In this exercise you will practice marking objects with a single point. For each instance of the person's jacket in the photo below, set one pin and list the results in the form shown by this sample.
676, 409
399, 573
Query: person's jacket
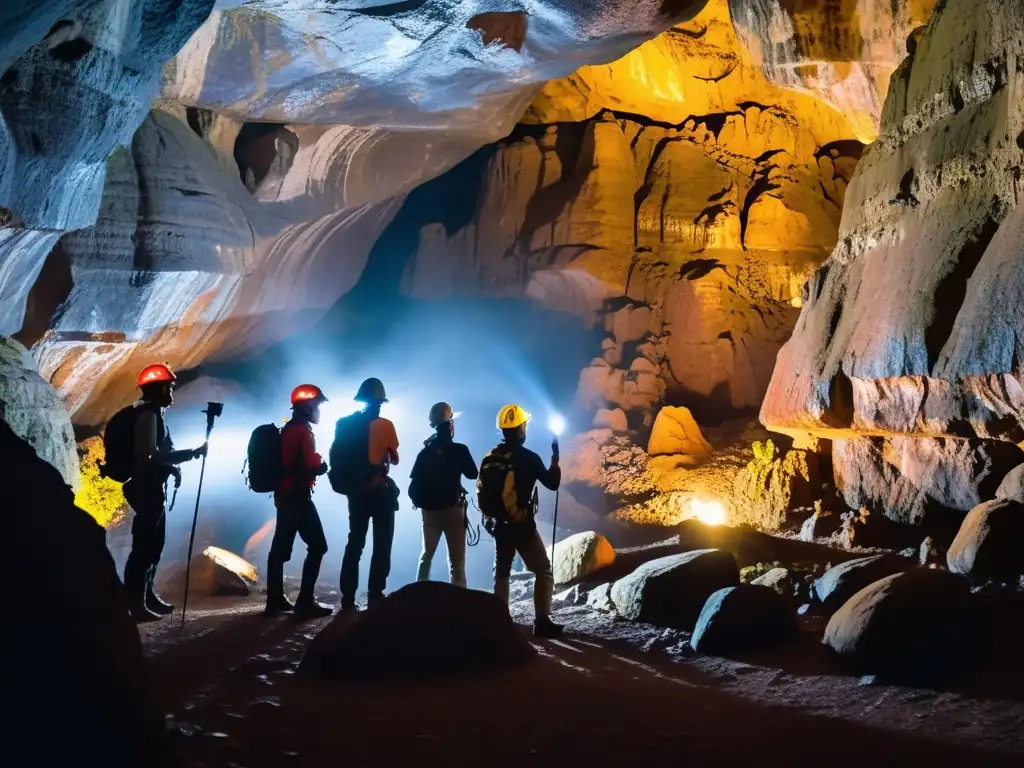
299, 458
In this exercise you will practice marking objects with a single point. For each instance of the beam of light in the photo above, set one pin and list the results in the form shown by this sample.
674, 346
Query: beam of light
557, 424
456, 415
709, 511
232, 562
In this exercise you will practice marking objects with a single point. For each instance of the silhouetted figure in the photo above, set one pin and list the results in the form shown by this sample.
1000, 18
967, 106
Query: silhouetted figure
435, 487
506, 491
74, 673
296, 513
374, 496
146, 491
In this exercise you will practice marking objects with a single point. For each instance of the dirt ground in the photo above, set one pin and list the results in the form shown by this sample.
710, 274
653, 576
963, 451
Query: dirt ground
608, 693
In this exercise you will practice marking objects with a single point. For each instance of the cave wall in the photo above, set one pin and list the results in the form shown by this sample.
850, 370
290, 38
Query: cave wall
910, 331
685, 226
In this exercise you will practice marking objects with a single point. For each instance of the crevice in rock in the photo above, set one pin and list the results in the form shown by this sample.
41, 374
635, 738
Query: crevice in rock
256, 150
692, 34
71, 51
905, 195
840, 398
762, 185
952, 289
717, 78
52, 287
767, 155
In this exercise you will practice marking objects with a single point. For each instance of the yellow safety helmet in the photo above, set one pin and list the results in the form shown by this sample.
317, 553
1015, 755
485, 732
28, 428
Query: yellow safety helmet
512, 416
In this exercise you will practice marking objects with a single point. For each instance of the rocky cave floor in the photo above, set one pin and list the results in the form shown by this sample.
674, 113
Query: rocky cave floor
610, 692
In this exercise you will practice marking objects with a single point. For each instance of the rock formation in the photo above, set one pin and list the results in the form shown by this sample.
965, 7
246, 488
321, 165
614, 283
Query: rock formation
910, 329
842, 52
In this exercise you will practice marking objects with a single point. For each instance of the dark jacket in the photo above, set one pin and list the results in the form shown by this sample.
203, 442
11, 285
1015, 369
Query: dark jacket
436, 477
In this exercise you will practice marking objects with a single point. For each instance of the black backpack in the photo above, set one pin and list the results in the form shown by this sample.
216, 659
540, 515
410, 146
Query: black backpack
430, 484
350, 454
496, 487
263, 458
119, 445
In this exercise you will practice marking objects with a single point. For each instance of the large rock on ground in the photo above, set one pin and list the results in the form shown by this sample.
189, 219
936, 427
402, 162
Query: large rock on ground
990, 543
423, 629
215, 572
73, 660
32, 408
839, 583
676, 432
672, 590
1012, 485
581, 555
743, 618
913, 626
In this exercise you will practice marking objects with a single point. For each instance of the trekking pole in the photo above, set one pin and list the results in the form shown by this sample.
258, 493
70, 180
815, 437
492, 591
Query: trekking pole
557, 426
213, 410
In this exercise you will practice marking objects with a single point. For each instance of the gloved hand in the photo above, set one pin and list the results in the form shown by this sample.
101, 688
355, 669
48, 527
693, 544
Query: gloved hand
200, 451
554, 450
322, 470
176, 474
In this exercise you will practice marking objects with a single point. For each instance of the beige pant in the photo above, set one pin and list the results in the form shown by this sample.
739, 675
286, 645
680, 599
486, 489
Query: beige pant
452, 523
510, 540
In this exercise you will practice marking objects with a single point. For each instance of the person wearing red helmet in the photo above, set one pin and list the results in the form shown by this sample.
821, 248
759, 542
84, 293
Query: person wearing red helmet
296, 513
155, 462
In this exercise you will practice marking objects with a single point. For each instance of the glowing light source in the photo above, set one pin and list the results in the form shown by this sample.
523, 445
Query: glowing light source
557, 424
708, 511
797, 302
232, 562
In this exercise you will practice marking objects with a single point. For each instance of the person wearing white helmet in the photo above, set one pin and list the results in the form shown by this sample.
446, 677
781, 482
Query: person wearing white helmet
435, 488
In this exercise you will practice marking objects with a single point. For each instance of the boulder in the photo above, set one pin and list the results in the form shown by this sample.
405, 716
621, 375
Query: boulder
820, 525
777, 580
423, 629
840, 582
676, 432
1012, 485
73, 661
215, 573
580, 555
671, 591
600, 598
743, 618
990, 542
916, 626
614, 419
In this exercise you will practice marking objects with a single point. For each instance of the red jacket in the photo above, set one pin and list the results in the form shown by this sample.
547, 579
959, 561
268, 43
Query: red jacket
299, 458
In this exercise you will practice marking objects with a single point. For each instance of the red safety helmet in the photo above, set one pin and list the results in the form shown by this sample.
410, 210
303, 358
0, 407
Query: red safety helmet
306, 393
154, 374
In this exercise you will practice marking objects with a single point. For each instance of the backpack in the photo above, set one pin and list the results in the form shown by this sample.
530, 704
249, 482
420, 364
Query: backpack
350, 454
430, 484
119, 445
263, 458
496, 487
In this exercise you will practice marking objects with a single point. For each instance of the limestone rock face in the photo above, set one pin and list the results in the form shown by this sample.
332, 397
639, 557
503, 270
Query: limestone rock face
76, 79
689, 233
771, 486
908, 478
844, 53
912, 327
32, 409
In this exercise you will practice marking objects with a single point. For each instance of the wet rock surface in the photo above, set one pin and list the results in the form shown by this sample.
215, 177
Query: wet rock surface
841, 582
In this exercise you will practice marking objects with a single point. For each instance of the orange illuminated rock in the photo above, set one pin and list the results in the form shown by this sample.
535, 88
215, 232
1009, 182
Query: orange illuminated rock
676, 432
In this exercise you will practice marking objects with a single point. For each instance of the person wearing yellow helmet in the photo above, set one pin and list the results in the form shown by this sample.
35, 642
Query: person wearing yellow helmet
507, 497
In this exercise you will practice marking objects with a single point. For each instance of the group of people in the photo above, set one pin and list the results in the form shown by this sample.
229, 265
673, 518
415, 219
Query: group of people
435, 488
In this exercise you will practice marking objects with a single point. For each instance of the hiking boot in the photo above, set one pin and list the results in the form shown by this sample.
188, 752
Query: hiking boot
157, 605
277, 605
143, 615
546, 628
312, 610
